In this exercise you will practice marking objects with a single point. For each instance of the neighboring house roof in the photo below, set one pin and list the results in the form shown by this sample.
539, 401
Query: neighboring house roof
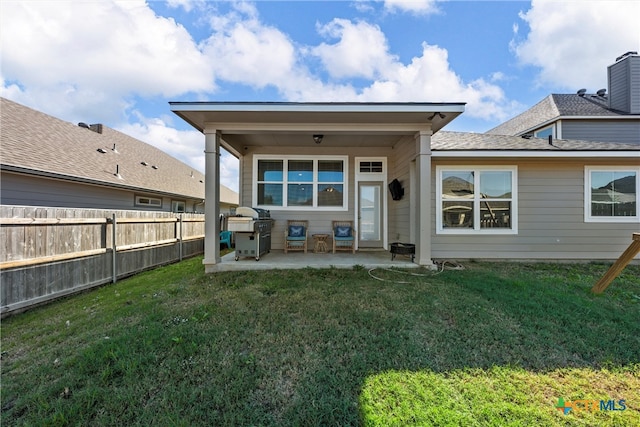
467, 141
555, 107
36, 143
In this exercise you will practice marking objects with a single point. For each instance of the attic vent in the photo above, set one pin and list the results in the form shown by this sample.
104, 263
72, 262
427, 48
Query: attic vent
601, 93
97, 128
144, 163
581, 92
101, 150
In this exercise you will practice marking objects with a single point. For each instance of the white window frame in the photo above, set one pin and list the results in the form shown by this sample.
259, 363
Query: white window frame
476, 200
314, 182
178, 206
148, 201
587, 194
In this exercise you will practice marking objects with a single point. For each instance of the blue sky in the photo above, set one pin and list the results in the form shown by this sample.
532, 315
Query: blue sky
121, 62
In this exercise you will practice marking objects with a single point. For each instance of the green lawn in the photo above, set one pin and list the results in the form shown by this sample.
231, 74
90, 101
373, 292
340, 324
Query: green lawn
493, 344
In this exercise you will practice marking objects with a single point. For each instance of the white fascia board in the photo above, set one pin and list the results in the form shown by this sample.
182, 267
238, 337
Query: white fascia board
453, 107
242, 127
533, 154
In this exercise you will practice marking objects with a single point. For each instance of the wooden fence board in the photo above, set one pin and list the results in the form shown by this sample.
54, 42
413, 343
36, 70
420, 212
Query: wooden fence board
49, 252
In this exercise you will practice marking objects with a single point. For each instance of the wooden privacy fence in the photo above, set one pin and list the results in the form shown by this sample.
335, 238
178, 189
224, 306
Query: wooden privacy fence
51, 252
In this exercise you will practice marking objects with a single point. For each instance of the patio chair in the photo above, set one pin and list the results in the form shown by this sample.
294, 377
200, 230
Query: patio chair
295, 235
225, 238
344, 236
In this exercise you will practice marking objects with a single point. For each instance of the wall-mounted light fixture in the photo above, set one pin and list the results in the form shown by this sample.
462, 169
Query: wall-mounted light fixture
318, 138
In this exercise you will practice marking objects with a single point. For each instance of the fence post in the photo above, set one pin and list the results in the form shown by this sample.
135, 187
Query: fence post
113, 249
180, 238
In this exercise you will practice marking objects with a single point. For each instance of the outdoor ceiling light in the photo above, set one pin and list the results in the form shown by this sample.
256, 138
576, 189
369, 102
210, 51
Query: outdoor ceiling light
442, 116
318, 138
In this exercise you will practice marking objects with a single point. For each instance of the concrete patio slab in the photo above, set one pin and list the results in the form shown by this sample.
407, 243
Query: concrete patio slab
277, 259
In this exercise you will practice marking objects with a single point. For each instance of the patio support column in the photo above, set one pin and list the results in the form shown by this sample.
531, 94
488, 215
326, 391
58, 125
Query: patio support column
423, 202
212, 198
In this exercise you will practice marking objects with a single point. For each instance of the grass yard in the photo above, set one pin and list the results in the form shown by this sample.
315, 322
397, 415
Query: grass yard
494, 344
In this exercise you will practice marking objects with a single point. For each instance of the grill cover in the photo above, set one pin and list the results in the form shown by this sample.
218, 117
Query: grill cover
255, 213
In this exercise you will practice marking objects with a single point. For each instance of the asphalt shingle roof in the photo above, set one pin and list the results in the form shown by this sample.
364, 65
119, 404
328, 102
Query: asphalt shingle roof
466, 141
553, 107
38, 143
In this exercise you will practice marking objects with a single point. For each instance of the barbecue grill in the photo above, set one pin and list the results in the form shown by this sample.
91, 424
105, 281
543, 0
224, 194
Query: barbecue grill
252, 227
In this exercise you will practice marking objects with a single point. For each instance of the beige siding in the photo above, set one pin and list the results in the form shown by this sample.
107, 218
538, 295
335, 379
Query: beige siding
399, 210
319, 221
551, 219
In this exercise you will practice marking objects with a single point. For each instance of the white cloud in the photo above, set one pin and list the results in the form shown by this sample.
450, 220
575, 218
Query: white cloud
247, 52
573, 42
413, 6
99, 49
361, 51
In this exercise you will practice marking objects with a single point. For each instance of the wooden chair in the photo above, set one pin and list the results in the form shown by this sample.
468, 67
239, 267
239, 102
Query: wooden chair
344, 236
295, 235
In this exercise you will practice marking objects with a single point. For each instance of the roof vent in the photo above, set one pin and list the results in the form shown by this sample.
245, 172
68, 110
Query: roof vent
101, 150
624, 55
144, 163
154, 167
601, 93
83, 125
97, 128
581, 92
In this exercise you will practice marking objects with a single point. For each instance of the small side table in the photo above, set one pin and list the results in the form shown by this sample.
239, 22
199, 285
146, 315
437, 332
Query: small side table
320, 245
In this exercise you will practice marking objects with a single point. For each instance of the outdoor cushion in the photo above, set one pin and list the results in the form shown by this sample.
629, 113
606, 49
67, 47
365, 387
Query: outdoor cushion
299, 238
343, 231
296, 231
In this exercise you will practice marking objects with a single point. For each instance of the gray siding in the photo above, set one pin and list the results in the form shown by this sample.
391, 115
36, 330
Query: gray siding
624, 131
25, 190
624, 85
551, 220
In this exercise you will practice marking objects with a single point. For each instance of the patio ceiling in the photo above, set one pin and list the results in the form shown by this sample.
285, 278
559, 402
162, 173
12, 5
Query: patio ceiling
294, 124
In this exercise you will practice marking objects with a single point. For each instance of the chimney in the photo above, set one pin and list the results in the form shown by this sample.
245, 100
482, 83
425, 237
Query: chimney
624, 83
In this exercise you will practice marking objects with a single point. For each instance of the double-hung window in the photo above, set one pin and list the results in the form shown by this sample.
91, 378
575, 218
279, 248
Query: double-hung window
476, 200
301, 182
611, 194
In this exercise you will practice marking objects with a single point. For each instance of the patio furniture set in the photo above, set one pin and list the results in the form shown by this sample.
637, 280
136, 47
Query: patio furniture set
296, 236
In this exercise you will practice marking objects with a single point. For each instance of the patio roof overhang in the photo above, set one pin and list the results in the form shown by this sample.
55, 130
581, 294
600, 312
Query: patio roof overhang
246, 124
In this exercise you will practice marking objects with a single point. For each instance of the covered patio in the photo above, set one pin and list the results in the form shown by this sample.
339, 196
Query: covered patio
289, 153
277, 259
